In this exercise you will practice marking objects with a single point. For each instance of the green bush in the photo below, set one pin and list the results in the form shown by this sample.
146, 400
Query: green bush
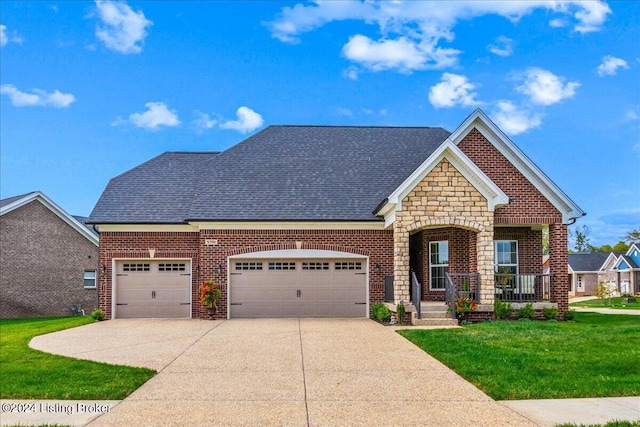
569, 315
550, 313
381, 312
527, 312
502, 310
401, 310
97, 314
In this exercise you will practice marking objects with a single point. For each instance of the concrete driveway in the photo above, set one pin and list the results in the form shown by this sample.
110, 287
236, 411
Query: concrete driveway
285, 372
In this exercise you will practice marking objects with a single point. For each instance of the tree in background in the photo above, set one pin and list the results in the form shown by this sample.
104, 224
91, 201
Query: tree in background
582, 238
632, 237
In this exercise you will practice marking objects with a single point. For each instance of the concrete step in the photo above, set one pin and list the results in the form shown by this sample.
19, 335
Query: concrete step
430, 306
435, 314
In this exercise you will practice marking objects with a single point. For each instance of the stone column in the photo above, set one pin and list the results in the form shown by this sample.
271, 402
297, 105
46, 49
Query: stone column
400, 263
484, 254
558, 266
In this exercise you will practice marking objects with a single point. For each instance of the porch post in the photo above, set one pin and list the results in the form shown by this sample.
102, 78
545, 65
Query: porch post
484, 254
558, 266
400, 263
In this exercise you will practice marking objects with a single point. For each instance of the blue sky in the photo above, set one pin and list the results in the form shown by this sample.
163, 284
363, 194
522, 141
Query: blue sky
92, 89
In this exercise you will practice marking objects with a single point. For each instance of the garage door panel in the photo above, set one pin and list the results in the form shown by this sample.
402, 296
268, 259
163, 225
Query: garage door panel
303, 288
153, 289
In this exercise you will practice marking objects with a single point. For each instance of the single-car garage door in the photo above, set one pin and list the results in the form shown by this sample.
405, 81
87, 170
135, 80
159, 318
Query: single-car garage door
153, 289
306, 287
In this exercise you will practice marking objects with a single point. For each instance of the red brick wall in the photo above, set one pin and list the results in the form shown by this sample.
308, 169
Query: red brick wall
377, 245
527, 205
529, 247
558, 262
462, 255
132, 245
42, 264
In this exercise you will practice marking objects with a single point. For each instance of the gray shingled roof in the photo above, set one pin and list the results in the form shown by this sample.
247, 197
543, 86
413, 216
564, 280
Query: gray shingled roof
9, 200
296, 173
587, 261
83, 220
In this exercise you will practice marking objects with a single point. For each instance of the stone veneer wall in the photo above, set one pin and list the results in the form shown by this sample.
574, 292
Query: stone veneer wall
444, 198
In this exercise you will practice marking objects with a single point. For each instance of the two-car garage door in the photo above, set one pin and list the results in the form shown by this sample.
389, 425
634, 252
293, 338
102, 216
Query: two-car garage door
289, 287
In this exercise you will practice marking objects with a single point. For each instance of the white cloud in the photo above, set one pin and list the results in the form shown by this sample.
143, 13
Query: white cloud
545, 88
247, 121
513, 120
610, 65
453, 89
558, 23
204, 121
157, 114
351, 72
37, 97
591, 15
411, 32
6, 38
121, 29
502, 46
402, 54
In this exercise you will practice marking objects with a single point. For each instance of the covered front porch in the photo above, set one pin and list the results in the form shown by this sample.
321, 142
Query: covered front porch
447, 262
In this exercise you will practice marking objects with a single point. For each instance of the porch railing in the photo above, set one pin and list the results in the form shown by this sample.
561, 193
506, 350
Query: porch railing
523, 287
461, 285
416, 293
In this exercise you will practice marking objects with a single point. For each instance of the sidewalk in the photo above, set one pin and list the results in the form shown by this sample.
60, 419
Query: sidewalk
550, 412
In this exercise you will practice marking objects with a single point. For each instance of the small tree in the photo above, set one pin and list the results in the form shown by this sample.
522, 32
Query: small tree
604, 292
582, 238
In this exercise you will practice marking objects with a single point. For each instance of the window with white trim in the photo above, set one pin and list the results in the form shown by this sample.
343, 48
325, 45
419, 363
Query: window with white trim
438, 264
580, 283
89, 279
506, 256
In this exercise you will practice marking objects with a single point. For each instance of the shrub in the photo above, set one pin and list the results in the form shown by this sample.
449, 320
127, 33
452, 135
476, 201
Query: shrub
401, 310
97, 314
381, 312
569, 315
374, 309
502, 310
550, 313
527, 312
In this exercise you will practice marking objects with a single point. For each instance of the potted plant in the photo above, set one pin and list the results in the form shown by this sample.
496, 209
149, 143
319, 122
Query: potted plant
209, 296
464, 306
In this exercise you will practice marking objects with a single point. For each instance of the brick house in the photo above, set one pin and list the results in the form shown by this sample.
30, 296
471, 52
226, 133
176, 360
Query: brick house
324, 221
618, 270
48, 259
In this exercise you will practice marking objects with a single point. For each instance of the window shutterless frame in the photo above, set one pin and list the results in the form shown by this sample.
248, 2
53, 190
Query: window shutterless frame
438, 264
90, 279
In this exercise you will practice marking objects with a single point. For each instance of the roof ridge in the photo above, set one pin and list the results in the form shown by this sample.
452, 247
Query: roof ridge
359, 126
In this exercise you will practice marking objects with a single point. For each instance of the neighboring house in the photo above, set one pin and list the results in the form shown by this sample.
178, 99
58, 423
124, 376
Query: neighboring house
628, 266
321, 221
617, 270
48, 259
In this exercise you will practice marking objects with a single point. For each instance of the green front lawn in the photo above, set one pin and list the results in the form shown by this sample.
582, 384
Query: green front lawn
597, 355
616, 302
32, 374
